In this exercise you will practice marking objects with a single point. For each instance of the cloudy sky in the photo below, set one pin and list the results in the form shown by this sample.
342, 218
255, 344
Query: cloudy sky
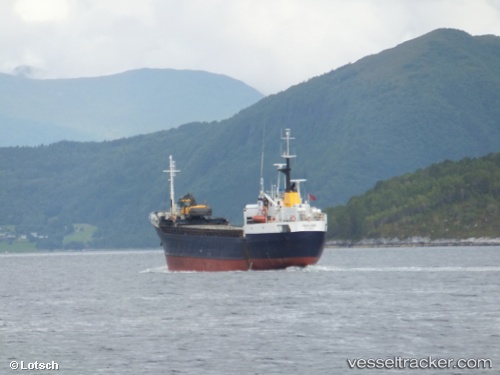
269, 44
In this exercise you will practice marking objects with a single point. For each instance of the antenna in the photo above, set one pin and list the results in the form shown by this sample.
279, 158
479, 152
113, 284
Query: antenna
172, 172
262, 161
287, 138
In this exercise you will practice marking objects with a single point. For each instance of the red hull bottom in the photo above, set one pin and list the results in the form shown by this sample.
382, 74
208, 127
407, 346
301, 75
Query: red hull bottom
176, 263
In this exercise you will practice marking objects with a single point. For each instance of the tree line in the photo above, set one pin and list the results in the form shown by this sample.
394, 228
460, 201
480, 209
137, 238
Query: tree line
446, 200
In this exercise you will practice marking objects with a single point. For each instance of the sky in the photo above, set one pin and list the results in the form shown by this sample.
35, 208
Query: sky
268, 44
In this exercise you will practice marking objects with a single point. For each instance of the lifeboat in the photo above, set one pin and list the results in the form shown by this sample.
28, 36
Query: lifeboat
259, 219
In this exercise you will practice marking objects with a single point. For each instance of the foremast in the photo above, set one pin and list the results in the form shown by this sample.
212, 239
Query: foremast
172, 171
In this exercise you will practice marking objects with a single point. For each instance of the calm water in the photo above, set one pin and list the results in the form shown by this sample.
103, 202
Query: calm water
124, 313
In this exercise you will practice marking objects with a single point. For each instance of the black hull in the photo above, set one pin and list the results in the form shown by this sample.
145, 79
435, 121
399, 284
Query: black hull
189, 252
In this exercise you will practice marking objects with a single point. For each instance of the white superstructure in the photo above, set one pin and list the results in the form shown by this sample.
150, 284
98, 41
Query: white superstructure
283, 211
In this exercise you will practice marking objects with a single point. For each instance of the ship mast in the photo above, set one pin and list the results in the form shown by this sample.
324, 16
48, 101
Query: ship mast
287, 156
172, 172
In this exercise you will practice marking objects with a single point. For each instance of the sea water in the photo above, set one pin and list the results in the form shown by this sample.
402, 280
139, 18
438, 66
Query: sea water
122, 312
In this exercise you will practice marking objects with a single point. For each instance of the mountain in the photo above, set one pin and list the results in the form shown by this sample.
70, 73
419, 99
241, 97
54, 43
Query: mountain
448, 200
34, 111
430, 99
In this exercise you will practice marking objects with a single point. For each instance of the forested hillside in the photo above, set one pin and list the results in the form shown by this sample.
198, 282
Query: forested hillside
446, 200
431, 99
35, 111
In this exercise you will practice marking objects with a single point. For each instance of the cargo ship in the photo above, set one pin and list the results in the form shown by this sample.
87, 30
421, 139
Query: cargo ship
280, 230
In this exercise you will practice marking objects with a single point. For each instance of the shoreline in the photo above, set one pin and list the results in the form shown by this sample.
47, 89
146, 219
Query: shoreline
415, 242
365, 243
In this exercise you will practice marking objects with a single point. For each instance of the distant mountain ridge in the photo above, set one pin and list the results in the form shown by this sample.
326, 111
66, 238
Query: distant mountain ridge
430, 99
35, 111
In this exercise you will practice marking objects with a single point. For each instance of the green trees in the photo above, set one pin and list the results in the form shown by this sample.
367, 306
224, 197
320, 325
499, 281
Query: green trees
445, 200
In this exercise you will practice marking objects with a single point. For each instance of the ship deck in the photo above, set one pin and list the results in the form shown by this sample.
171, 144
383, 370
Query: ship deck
205, 230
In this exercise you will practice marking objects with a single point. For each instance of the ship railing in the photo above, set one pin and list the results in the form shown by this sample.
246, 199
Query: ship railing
205, 231
309, 217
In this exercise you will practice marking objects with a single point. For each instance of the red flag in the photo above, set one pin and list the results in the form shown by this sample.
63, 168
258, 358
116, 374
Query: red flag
312, 197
